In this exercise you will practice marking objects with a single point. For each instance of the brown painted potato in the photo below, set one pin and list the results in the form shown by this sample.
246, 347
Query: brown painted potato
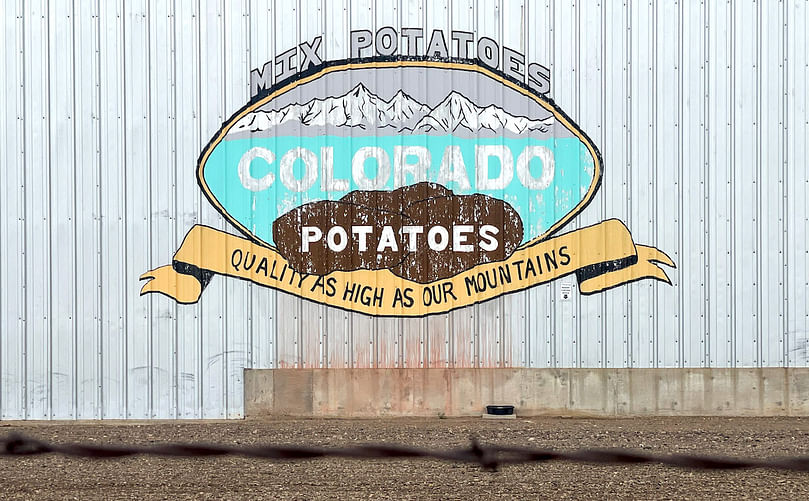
424, 204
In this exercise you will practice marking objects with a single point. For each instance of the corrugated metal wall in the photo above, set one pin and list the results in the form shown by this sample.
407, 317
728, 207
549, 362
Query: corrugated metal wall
699, 109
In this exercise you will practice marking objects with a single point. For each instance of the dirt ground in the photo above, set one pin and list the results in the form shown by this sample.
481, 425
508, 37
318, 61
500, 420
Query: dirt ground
56, 477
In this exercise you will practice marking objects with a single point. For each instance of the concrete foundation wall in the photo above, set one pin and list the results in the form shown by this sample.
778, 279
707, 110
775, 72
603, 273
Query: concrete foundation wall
573, 392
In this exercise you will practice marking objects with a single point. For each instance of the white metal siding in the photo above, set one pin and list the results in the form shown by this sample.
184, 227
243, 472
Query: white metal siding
699, 110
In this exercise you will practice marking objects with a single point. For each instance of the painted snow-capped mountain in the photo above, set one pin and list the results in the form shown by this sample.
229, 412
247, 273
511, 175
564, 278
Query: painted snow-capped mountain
361, 109
456, 111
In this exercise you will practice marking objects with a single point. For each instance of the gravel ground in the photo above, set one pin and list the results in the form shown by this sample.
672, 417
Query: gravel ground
55, 477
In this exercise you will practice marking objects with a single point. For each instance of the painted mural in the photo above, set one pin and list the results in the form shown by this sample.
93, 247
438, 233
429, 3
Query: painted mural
398, 186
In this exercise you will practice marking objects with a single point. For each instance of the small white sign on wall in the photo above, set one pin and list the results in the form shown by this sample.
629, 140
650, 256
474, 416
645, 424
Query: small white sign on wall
566, 290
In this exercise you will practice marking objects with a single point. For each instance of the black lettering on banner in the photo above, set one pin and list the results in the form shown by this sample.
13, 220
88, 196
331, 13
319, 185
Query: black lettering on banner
331, 287
550, 259
319, 282
491, 281
564, 255
248, 263
348, 294
469, 281
505, 273
480, 282
518, 264
434, 294
446, 290
379, 293
408, 295
403, 297
398, 298
262, 265
530, 268
236, 262
365, 299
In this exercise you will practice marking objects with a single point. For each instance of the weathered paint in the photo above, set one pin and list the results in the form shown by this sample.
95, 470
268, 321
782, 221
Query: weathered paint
699, 111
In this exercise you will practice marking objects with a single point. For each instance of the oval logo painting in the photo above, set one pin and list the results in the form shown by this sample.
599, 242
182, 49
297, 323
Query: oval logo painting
403, 187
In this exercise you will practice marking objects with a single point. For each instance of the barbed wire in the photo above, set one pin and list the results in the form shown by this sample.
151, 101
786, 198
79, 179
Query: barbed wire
489, 457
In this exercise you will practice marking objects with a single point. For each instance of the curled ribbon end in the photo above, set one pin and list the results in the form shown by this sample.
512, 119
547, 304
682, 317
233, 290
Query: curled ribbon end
665, 259
165, 280
655, 255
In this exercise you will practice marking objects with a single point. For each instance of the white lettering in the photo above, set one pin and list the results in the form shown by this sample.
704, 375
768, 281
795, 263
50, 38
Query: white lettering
310, 169
453, 169
382, 168
387, 240
412, 235
459, 238
524, 167
401, 168
247, 179
331, 238
310, 234
487, 233
327, 181
483, 153
363, 232
433, 241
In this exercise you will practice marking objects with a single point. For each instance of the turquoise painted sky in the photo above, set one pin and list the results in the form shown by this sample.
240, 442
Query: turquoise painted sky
539, 209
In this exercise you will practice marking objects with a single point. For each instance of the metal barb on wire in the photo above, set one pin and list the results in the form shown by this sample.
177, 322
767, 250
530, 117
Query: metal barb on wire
489, 457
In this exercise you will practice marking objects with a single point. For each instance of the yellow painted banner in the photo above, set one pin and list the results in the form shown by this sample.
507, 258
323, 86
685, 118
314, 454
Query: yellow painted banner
602, 256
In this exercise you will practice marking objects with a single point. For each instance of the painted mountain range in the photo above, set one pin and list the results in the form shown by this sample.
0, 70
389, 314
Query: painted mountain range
367, 113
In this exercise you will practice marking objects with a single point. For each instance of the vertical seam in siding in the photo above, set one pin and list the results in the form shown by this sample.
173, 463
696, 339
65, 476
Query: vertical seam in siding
49, 205
602, 134
551, 310
250, 294
525, 356
149, 216
785, 177
200, 327
655, 320
24, 226
708, 360
122, 220
577, 353
76, 273
99, 324
225, 310
274, 362
175, 373
731, 186
628, 173
759, 355
680, 184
